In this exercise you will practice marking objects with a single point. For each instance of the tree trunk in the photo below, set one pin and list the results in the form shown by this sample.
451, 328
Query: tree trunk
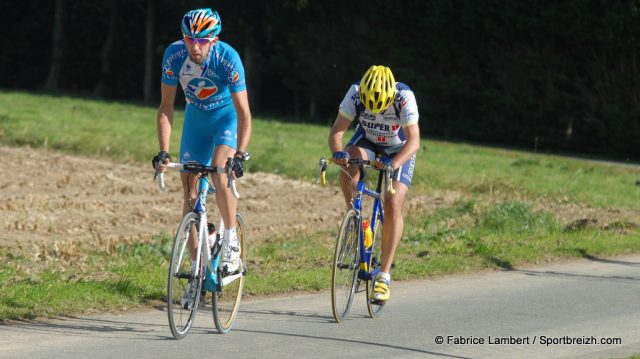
56, 47
312, 107
148, 51
102, 87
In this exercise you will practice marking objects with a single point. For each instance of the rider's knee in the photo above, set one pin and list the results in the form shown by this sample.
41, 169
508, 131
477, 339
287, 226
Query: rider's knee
393, 206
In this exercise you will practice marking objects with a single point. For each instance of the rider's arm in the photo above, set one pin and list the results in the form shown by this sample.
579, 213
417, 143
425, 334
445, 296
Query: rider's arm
411, 146
337, 132
241, 103
164, 119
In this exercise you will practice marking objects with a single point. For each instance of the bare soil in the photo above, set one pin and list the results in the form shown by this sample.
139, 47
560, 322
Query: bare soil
48, 197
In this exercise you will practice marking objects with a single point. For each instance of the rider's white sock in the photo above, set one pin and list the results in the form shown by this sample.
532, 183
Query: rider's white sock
385, 275
229, 234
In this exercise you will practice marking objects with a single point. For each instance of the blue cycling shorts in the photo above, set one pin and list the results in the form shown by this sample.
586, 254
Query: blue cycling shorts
403, 174
203, 131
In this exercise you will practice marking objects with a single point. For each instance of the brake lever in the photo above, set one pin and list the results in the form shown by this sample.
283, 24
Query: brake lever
322, 168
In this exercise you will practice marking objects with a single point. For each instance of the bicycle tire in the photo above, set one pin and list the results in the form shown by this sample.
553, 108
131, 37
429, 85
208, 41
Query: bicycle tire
346, 261
226, 302
180, 276
375, 262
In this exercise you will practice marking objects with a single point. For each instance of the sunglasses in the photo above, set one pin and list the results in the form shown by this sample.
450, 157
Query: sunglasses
201, 41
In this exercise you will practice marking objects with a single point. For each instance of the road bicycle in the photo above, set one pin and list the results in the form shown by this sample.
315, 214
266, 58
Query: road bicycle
226, 288
353, 261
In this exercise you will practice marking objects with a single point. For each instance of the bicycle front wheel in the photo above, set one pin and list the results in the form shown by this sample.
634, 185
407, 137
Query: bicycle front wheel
346, 259
181, 308
226, 302
375, 262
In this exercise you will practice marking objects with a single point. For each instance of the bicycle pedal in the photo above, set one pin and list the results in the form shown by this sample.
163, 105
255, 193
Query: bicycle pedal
378, 302
225, 271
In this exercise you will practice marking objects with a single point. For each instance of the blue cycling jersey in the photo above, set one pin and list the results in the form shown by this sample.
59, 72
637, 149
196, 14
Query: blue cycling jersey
207, 85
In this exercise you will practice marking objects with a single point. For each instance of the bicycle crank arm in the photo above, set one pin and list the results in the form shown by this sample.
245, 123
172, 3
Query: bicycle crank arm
228, 279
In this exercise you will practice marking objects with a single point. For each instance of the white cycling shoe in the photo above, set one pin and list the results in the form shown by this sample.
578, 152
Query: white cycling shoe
230, 262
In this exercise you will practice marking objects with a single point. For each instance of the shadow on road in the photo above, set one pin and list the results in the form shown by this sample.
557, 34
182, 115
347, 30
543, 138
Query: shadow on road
287, 315
386, 346
590, 257
88, 327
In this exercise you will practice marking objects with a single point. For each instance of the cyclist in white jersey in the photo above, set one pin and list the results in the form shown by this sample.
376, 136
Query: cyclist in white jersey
387, 126
217, 122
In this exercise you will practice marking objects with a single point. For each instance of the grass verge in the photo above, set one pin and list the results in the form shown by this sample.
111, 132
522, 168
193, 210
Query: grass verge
498, 224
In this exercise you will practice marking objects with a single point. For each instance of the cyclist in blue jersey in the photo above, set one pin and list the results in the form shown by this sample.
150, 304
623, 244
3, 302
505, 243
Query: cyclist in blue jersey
217, 119
386, 113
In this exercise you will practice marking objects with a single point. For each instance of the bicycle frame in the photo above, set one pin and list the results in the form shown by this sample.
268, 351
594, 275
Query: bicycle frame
364, 272
211, 282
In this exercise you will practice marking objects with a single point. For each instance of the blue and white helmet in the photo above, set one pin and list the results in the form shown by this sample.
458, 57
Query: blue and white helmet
201, 23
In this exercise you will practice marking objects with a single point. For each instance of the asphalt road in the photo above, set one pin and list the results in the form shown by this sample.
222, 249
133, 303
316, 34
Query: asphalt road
539, 312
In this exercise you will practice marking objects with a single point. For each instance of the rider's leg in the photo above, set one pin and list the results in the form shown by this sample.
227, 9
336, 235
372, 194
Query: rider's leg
348, 180
195, 145
227, 204
391, 234
190, 194
393, 224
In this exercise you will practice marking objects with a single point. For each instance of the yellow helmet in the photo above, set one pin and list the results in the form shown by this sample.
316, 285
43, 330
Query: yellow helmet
377, 88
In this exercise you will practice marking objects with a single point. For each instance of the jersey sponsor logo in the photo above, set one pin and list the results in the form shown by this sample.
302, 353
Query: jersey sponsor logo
382, 139
168, 71
234, 77
379, 126
412, 164
202, 88
226, 136
226, 63
367, 116
409, 115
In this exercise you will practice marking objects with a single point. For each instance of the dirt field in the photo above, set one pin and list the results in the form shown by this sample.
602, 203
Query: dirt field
47, 197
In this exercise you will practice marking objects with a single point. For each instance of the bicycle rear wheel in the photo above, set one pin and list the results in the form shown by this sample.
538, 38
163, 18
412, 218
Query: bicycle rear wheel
181, 315
346, 259
226, 302
375, 262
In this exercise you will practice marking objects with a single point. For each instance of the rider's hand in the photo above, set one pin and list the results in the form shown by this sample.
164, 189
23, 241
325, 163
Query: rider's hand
237, 166
384, 162
341, 158
162, 158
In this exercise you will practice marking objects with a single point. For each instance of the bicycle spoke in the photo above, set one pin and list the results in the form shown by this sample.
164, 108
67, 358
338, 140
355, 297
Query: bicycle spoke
375, 307
344, 279
226, 302
181, 313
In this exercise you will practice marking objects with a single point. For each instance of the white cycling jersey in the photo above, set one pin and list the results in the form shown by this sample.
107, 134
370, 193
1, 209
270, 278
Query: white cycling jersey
385, 127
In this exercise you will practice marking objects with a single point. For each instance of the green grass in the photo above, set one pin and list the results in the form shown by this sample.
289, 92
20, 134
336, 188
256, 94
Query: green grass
127, 276
502, 235
127, 132
498, 172
493, 225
